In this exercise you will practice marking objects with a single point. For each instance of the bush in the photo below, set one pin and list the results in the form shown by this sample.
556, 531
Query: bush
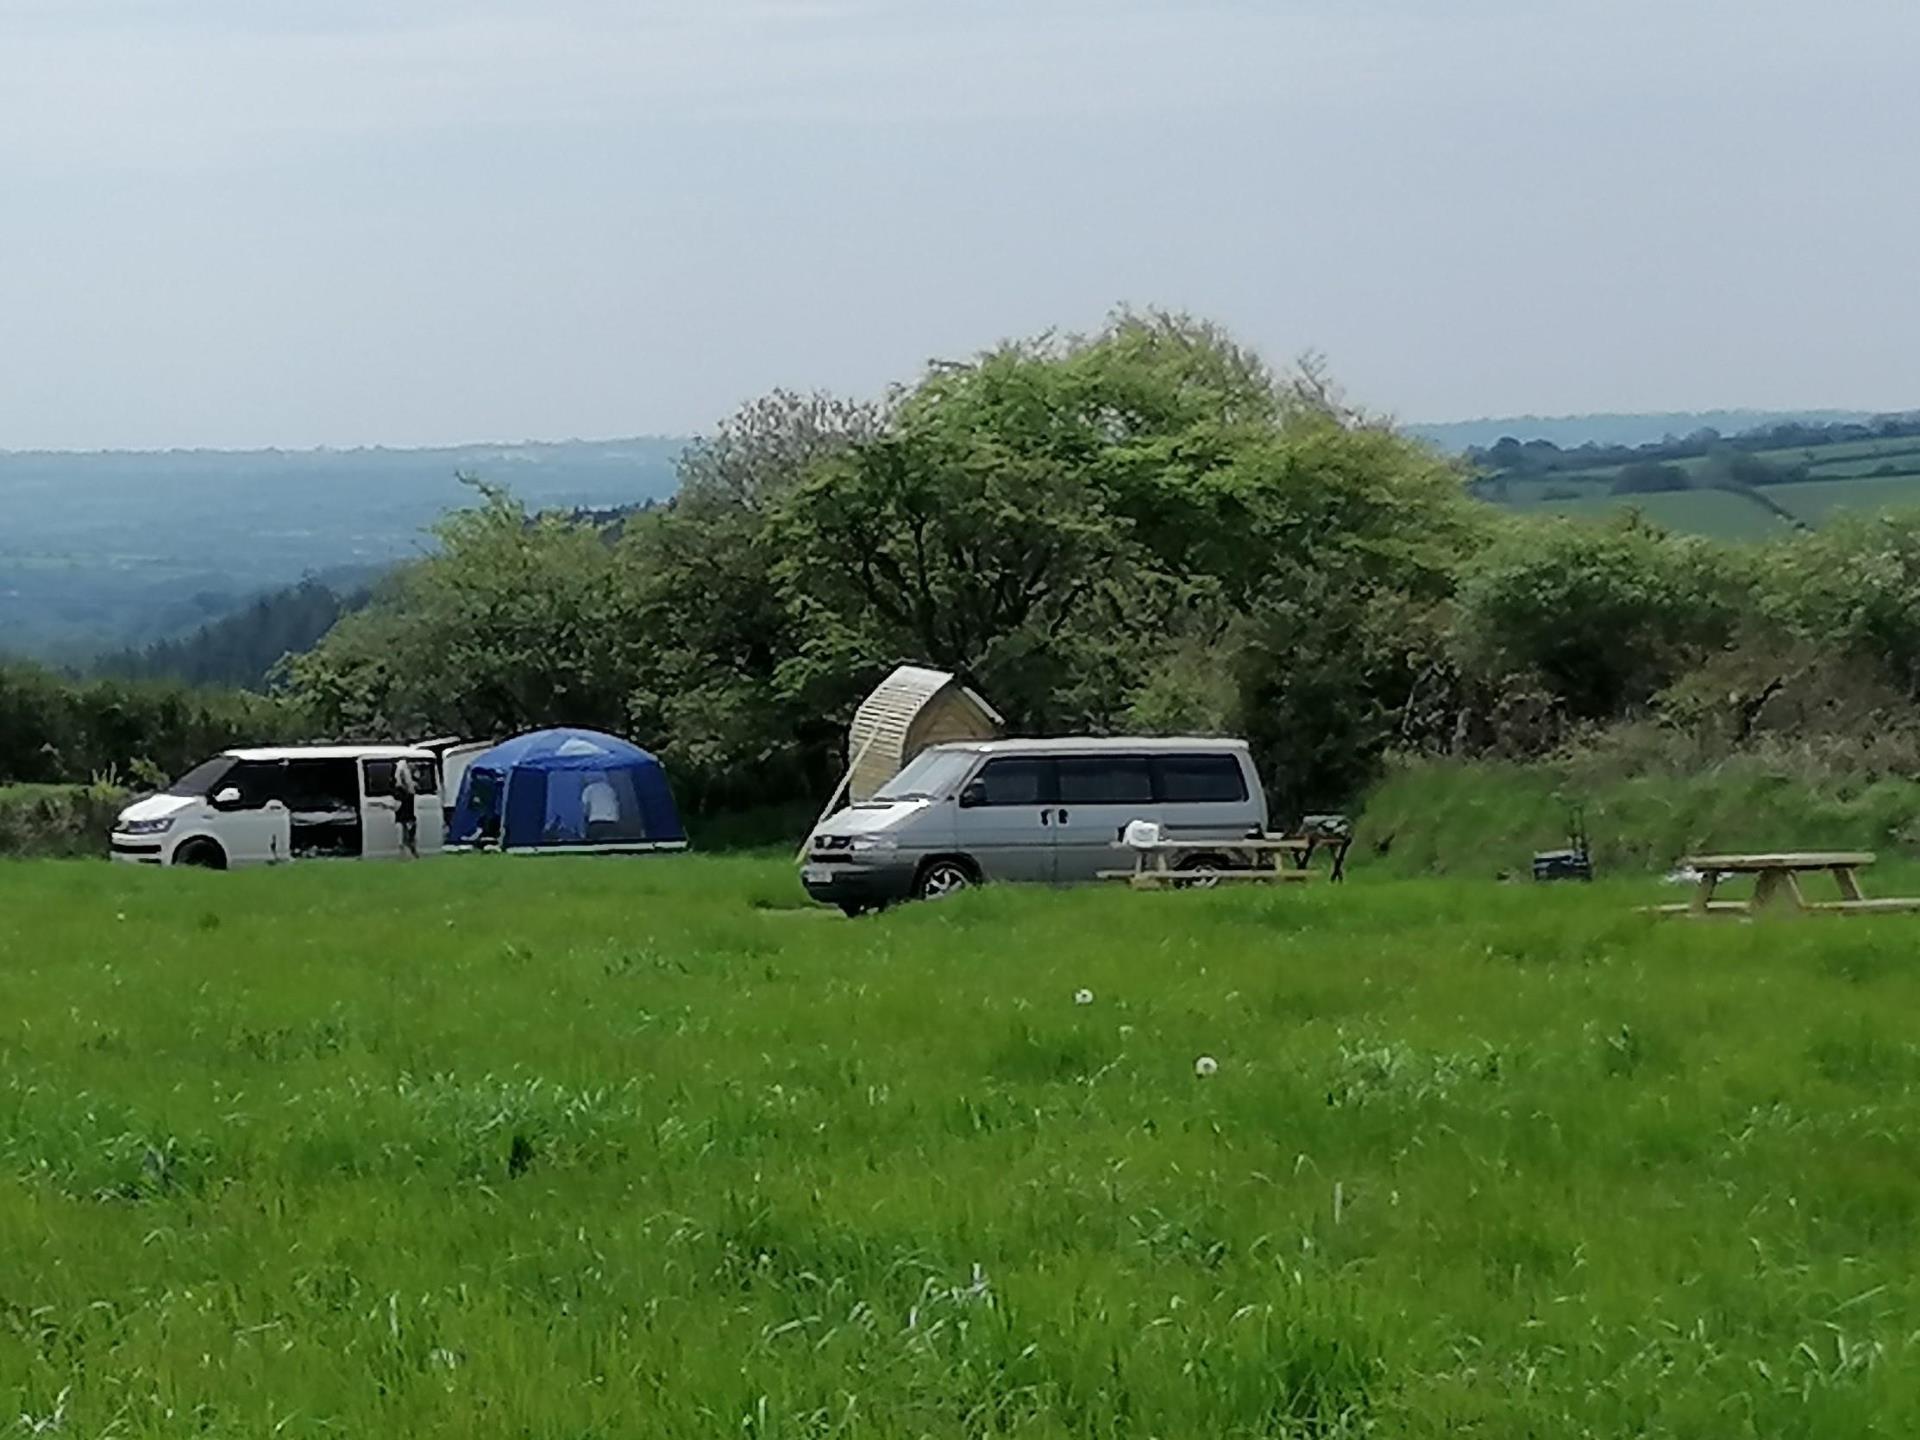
58, 731
1604, 616
57, 820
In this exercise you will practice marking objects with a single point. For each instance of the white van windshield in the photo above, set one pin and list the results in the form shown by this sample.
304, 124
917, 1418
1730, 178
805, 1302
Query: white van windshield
933, 775
198, 782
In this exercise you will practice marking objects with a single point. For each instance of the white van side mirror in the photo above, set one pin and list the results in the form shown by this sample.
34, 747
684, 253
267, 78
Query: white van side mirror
974, 795
226, 797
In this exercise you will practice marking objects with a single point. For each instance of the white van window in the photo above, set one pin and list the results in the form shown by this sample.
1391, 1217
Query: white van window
203, 779
380, 778
321, 786
258, 781
1105, 780
1199, 779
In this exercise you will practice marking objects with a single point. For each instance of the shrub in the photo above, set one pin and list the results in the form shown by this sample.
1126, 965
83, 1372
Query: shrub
57, 820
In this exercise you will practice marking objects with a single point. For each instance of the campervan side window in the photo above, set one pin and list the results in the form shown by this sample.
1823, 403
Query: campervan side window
380, 778
1199, 779
258, 781
1105, 780
1017, 780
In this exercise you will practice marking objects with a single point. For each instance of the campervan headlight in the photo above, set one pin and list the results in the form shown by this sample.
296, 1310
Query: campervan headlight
146, 827
868, 844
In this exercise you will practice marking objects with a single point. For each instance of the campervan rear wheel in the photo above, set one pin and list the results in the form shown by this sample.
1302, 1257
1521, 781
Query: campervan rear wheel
1202, 862
941, 878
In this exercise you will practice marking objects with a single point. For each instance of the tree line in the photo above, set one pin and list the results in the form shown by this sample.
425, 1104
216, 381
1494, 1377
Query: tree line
1142, 530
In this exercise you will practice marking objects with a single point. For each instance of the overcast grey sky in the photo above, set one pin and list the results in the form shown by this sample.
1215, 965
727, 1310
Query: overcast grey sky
248, 222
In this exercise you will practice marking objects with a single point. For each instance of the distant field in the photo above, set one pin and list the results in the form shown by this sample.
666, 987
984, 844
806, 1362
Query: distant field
481, 1148
1845, 479
1905, 462
1696, 512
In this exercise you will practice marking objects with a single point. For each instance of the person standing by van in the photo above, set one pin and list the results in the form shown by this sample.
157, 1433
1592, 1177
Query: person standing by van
406, 790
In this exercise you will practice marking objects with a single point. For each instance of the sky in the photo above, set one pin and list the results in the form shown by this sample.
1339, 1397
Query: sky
284, 222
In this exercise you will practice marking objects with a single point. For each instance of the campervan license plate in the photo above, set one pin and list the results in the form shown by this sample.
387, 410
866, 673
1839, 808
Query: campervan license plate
815, 874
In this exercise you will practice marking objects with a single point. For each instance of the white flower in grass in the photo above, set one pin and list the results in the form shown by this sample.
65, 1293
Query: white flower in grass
1083, 997
1206, 1065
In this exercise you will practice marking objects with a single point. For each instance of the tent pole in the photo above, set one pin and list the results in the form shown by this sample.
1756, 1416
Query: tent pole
838, 791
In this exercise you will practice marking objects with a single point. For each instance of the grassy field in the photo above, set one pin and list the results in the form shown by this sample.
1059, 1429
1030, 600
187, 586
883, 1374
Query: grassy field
1845, 478
1718, 513
492, 1148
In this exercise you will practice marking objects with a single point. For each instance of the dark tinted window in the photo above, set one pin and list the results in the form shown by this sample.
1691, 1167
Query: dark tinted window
1200, 779
321, 785
203, 779
258, 781
1106, 780
380, 776
1011, 780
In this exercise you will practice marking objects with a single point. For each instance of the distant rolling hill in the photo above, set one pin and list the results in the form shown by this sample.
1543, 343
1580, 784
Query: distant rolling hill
112, 551
1609, 428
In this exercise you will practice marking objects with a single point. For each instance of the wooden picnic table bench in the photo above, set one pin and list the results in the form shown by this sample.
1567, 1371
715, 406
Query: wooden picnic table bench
1257, 860
1776, 885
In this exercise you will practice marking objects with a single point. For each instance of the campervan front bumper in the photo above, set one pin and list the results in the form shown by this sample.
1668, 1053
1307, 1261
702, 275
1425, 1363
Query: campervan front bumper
136, 850
843, 879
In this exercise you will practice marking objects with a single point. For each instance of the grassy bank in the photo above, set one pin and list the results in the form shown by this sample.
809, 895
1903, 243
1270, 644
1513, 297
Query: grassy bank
481, 1147
1484, 819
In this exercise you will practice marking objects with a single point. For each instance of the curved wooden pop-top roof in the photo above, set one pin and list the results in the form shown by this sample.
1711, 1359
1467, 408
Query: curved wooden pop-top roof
912, 708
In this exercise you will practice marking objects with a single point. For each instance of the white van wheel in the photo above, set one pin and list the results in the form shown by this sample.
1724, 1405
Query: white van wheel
202, 854
941, 878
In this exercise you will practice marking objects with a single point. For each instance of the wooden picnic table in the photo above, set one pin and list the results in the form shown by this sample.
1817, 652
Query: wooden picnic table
1776, 885
1258, 860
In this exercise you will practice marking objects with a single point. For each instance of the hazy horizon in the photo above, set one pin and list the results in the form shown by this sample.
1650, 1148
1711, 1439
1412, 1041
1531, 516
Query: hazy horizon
232, 227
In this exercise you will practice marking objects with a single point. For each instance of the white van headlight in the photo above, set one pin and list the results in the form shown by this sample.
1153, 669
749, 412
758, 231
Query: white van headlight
146, 827
867, 844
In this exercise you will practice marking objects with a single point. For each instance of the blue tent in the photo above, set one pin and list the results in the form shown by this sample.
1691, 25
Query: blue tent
573, 790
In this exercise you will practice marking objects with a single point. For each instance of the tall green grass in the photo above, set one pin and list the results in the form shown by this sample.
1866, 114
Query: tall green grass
484, 1147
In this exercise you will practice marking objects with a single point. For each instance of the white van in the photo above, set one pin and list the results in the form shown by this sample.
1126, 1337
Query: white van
1035, 810
261, 807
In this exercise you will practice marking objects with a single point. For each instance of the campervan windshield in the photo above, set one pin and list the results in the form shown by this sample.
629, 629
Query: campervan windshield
933, 775
198, 782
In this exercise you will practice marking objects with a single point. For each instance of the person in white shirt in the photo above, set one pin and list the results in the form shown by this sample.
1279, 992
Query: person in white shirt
601, 808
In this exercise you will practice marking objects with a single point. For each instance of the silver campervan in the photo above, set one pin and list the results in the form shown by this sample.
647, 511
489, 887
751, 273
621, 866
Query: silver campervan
1046, 811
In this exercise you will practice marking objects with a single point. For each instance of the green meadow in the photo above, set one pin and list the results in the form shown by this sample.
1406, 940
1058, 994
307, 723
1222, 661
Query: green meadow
486, 1147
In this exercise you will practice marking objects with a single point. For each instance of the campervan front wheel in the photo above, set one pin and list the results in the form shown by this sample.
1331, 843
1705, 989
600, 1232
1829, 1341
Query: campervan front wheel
203, 854
941, 878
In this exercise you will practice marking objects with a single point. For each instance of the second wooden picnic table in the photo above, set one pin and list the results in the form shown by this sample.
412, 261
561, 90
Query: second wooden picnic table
1776, 884
1249, 860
